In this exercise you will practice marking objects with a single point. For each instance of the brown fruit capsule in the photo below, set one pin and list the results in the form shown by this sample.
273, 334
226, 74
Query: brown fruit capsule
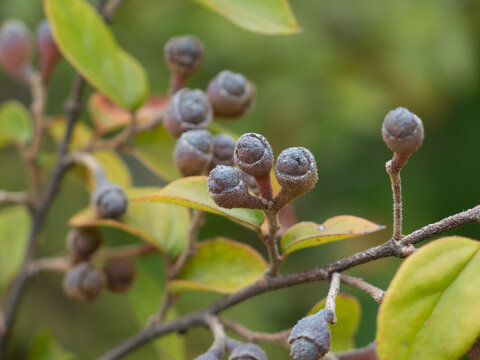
109, 201
84, 282
253, 154
231, 94
183, 54
223, 149
120, 274
15, 50
47, 50
402, 131
187, 110
83, 242
248, 351
193, 152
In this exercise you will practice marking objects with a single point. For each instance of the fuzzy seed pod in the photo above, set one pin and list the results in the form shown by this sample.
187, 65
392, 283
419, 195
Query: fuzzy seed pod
296, 170
187, 110
47, 50
228, 190
183, 54
253, 154
248, 351
83, 242
310, 338
109, 201
15, 50
193, 152
212, 354
402, 131
223, 149
120, 274
84, 282
231, 94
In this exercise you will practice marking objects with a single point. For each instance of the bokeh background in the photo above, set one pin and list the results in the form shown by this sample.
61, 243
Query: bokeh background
327, 89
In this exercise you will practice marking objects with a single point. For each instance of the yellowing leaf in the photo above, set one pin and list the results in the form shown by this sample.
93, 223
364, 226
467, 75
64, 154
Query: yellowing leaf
162, 225
308, 234
14, 228
265, 16
89, 45
192, 192
348, 311
431, 308
15, 123
220, 265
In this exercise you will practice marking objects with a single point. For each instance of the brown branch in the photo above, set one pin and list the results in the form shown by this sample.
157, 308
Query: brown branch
394, 174
368, 352
267, 284
271, 242
93, 165
256, 337
332, 296
474, 352
9, 197
376, 293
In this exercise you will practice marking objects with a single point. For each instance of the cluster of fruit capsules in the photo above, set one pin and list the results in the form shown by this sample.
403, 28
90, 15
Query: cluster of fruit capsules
16, 50
295, 170
190, 111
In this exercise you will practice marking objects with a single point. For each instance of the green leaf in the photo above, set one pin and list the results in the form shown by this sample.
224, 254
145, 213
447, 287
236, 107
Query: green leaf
145, 297
308, 234
14, 228
192, 192
265, 16
430, 311
89, 45
15, 123
45, 347
348, 311
162, 225
220, 265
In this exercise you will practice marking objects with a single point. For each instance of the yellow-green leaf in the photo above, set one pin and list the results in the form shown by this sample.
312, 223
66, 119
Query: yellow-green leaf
220, 265
308, 234
162, 225
431, 308
45, 347
265, 16
89, 45
348, 312
145, 297
15, 123
192, 192
14, 228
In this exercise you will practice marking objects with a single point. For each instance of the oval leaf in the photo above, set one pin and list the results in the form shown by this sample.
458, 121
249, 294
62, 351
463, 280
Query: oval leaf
162, 225
15, 123
45, 347
14, 227
308, 234
430, 311
89, 45
192, 192
348, 311
266, 16
220, 265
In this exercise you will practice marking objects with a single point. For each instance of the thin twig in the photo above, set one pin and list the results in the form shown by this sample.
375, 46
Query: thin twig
92, 164
271, 242
9, 197
368, 352
332, 295
376, 293
254, 336
394, 174
111, 8
55, 264
267, 284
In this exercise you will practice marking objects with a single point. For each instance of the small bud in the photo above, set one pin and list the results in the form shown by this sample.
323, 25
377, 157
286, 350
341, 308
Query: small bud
109, 201
402, 131
228, 190
296, 172
47, 50
310, 338
183, 54
231, 94
248, 351
84, 282
223, 149
253, 154
193, 152
15, 50
83, 242
187, 110
120, 274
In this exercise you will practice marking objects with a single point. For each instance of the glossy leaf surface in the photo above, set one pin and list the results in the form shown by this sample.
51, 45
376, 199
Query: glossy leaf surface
15, 123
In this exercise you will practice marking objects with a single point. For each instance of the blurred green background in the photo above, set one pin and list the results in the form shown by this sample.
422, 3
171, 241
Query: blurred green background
327, 89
